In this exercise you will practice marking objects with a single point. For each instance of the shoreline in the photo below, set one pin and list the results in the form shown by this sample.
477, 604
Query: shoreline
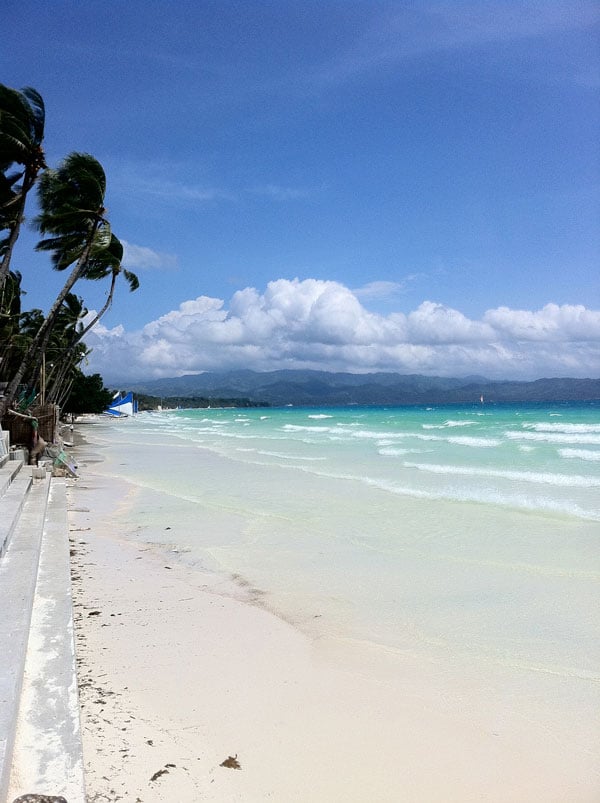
183, 676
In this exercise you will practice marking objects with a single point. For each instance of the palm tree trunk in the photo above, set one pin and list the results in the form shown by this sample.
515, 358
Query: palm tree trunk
59, 377
55, 389
65, 393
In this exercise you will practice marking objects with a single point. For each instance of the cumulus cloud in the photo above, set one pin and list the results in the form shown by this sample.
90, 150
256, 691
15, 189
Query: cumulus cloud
550, 323
323, 325
435, 323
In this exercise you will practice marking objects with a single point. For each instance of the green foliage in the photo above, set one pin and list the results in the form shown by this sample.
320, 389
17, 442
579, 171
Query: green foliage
88, 395
105, 260
71, 198
10, 319
22, 116
146, 402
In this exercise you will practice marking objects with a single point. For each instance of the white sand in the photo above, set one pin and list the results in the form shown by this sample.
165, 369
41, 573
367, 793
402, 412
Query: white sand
181, 669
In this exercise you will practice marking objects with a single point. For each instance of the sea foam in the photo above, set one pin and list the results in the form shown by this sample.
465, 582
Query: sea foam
565, 480
568, 428
554, 437
484, 443
580, 454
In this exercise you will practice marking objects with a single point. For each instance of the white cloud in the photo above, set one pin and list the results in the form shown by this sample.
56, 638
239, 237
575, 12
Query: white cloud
435, 323
322, 324
140, 257
182, 184
279, 193
551, 322
446, 27
379, 289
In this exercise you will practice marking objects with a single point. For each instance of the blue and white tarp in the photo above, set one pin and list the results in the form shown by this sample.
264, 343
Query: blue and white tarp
122, 405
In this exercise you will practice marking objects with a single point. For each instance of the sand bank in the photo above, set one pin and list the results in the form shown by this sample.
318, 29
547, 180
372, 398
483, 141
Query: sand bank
192, 690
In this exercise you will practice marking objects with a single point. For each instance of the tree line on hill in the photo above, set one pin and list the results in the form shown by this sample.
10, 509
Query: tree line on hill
41, 353
147, 402
317, 388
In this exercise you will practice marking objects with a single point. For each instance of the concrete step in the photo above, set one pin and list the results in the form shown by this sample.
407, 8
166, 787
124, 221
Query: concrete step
18, 483
18, 578
48, 753
8, 471
4, 446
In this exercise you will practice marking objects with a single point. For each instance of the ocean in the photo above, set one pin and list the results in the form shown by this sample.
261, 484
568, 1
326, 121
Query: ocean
465, 539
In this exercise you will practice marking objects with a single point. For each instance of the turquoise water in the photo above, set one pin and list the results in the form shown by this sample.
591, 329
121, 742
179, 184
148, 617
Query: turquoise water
530, 458
467, 536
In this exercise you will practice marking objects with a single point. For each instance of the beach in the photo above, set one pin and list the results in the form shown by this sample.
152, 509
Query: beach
200, 683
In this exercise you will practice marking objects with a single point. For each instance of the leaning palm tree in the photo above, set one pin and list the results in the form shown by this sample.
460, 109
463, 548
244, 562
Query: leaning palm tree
105, 262
81, 353
102, 262
67, 325
22, 118
72, 212
17, 346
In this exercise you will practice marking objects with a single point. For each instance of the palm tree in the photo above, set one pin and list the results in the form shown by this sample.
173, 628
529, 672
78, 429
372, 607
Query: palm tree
11, 334
10, 310
102, 263
73, 375
63, 333
22, 118
70, 369
72, 211
22, 332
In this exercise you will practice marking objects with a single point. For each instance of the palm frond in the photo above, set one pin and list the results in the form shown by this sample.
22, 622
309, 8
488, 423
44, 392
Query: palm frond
65, 250
72, 196
132, 280
38, 111
22, 117
12, 146
104, 258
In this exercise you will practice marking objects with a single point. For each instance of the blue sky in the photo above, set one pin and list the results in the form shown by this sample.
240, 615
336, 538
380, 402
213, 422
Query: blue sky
408, 186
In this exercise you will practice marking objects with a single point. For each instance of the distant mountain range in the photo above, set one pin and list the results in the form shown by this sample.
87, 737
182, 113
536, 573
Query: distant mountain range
318, 388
